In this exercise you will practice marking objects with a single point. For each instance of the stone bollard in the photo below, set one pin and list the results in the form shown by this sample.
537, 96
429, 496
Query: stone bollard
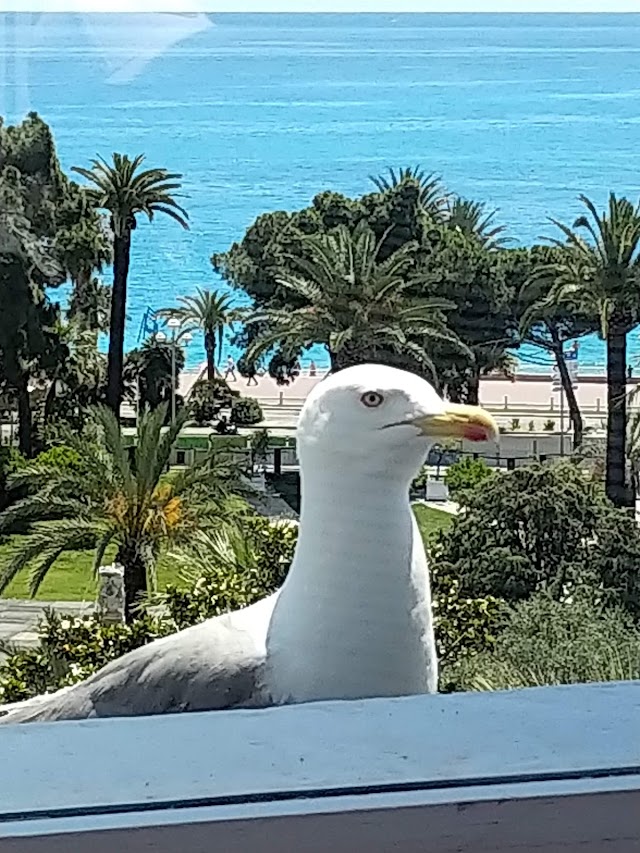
110, 609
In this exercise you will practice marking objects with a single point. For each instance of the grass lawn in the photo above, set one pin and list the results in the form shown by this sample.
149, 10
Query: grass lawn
72, 579
431, 520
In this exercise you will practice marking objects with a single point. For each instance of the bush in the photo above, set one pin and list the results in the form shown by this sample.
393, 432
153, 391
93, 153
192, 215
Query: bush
466, 474
59, 456
552, 642
228, 572
419, 484
209, 398
70, 650
524, 531
464, 626
246, 411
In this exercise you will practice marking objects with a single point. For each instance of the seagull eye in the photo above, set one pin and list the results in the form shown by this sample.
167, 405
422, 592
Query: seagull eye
371, 399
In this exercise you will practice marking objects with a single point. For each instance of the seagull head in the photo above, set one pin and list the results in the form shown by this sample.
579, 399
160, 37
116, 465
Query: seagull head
383, 419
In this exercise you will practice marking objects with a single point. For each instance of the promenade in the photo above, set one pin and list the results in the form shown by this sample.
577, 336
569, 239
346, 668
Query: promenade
528, 398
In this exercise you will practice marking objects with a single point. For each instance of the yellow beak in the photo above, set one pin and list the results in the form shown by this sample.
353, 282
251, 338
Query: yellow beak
458, 421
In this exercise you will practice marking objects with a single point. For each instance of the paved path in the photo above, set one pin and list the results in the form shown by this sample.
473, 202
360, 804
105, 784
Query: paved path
19, 618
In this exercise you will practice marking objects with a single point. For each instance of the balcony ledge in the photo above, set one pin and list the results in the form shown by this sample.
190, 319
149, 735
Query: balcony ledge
554, 769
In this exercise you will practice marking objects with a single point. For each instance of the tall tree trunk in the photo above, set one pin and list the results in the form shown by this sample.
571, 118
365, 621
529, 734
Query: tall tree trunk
575, 415
473, 387
25, 420
122, 256
134, 563
210, 347
617, 488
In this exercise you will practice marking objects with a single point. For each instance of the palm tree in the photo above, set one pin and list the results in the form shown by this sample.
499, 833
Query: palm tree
600, 274
356, 305
212, 313
115, 495
472, 219
433, 196
125, 192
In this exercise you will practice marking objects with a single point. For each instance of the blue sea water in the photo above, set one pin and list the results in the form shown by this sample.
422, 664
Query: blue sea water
261, 112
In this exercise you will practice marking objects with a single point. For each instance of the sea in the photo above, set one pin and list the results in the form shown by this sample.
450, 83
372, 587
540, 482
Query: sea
261, 112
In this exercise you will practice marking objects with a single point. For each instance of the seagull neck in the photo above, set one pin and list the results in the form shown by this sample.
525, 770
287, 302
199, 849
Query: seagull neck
353, 618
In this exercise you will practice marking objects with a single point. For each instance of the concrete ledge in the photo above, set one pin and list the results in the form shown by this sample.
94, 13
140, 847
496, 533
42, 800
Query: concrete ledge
555, 769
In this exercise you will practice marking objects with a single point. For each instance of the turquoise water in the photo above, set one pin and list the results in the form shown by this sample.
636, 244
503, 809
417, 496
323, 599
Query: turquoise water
262, 112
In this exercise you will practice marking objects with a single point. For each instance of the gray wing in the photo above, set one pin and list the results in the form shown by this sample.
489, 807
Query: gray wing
208, 667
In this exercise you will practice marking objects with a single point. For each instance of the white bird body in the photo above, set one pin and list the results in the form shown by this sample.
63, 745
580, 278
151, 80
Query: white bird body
353, 619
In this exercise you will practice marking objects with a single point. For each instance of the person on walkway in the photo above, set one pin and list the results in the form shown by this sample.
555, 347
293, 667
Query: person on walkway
230, 369
252, 378
312, 369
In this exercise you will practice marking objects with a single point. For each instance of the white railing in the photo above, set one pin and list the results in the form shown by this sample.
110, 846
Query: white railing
550, 769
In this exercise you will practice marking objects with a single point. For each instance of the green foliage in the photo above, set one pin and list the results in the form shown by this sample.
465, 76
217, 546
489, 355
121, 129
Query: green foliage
10, 461
148, 372
419, 483
230, 570
212, 313
246, 411
208, 398
70, 649
523, 531
440, 261
548, 642
59, 456
543, 528
116, 497
465, 474
515, 424
549, 426
344, 295
464, 625
221, 572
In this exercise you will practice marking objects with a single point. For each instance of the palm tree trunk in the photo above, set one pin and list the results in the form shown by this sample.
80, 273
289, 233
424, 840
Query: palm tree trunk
135, 578
575, 416
617, 487
473, 387
210, 347
122, 256
25, 424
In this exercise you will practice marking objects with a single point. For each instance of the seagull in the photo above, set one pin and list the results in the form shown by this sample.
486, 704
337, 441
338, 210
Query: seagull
353, 619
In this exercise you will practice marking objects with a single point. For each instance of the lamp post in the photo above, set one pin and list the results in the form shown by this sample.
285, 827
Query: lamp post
177, 337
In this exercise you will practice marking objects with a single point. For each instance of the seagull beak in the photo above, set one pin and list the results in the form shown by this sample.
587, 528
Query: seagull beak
457, 421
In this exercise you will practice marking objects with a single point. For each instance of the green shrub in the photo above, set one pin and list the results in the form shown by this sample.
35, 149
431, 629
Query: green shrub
59, 456
71, 649
515, 424
466, 474
246, 411
549, 426
550, 642
209, 398
524, 531
464, 626
226, 572
420, 482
